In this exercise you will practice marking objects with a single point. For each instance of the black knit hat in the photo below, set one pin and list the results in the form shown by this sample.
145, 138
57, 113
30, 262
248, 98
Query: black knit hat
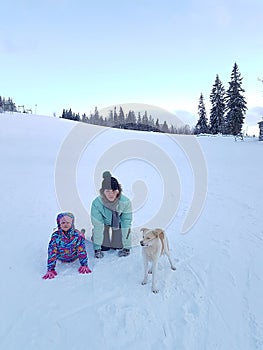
109, 182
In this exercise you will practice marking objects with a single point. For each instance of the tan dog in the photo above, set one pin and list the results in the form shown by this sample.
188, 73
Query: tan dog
154, 244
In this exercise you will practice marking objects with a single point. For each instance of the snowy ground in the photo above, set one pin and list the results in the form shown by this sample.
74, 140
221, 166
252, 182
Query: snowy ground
214, 298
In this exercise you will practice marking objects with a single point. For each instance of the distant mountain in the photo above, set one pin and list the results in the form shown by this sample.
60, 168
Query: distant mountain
154, 111
181, 117
187, 117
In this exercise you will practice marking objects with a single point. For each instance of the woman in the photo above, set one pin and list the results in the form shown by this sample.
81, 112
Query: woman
66, 244
111, 211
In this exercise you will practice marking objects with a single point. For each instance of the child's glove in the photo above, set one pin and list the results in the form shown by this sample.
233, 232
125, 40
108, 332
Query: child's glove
84, 269
50, 274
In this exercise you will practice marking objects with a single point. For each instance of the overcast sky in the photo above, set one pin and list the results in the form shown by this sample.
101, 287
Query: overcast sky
80, 54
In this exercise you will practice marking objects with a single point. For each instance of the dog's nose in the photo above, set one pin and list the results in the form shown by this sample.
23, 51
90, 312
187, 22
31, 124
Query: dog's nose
141, 243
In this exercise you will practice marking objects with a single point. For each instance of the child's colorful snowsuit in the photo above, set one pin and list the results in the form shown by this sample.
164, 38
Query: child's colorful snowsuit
66, 246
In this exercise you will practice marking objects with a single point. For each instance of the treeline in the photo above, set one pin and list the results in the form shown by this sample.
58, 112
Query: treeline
117, 119
227, 114
228, 108
7, 105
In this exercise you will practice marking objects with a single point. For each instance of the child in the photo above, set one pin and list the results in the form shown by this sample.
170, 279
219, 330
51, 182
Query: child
66, 244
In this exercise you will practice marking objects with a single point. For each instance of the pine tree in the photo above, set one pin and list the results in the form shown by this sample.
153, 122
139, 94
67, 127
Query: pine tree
145, 119
95, 118
165, 127
131, 118
139, 119
151, 121
110, 121
201, 126
235, 103
69, 114
77, 117
7, 105
157, 125
101, 121
173, 129
121, 117
115, 117
63, 115
217, 99
84, 118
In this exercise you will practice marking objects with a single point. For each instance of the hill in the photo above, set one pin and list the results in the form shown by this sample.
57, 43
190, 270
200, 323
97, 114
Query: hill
210, 188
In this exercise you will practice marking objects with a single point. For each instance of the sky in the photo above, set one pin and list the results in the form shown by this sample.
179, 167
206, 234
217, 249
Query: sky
214, 298
85, 54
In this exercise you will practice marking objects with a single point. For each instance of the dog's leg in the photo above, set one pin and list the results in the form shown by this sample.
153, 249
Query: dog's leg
167, 253
154, 277
170, 261
145, 280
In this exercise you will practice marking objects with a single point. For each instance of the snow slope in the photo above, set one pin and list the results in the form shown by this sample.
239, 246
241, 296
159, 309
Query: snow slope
214, 298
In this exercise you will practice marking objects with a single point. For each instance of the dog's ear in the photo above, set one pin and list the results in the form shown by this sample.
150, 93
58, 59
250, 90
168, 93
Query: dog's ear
159, 231
144, 229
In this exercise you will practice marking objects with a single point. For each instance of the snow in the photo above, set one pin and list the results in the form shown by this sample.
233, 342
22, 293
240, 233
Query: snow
214, 298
